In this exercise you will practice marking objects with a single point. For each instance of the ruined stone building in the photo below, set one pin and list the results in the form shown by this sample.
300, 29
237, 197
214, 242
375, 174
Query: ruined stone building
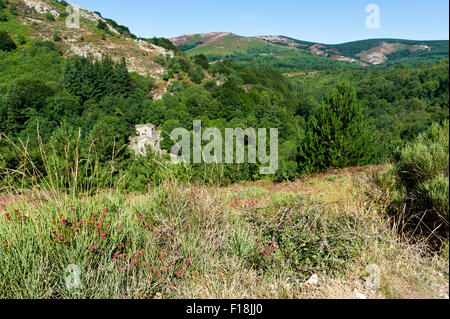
146, 134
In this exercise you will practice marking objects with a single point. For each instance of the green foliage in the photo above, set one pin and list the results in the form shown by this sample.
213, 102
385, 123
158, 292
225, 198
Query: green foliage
119, 28
109, 136
92, 80
82, 93
102, 25
164, 43
6, 43
56, 36
400, 102
21, 40
307, 239
337, 135
3, 16
201, 60
50, 17
13, 9
196, 74
419, 185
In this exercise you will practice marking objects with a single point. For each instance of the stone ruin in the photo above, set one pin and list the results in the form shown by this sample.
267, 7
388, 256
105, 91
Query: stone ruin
146, 135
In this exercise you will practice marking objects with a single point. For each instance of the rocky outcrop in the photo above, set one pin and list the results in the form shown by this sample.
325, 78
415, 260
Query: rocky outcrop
279, 40
378, 55
41, 7
206, 38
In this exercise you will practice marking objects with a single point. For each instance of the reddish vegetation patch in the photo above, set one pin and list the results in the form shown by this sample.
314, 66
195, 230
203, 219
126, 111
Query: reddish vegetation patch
254, 203
351, 170
5, 199
236, 203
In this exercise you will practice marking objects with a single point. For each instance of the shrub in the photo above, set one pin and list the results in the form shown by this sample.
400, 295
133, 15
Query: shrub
102, 25
21, 39
6, 43
419, 181
202, 60
50, 17
13, 9
56, 36
3, 17
164, 43
307, 239
196, 74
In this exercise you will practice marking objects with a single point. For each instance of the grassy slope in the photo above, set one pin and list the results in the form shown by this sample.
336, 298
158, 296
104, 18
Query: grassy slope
261, 53
242, 49
187, 241
232, 45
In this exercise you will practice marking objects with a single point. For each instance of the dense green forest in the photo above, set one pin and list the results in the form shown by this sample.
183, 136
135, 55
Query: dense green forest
358, 207
106, 102
406, 57
331, 118
291, 55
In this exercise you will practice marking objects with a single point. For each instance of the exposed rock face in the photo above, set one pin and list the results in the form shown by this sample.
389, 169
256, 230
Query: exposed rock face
206, 38
150, 46
92, 16
41, 7
279, 40
140, 55
146, 135
378, 54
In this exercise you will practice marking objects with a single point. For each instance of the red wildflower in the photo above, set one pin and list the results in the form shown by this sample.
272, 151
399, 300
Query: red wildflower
120, 226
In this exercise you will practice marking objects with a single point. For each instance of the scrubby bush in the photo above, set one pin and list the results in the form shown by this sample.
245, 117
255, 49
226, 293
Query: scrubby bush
3, 17
56, 36
418, 183
308, 239
21, 39
13, 9
201, 60
50, 17
102, 25
6, 43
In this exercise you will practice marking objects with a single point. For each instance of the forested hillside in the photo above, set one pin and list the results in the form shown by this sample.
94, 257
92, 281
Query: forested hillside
43, 90
361, 185
284, 53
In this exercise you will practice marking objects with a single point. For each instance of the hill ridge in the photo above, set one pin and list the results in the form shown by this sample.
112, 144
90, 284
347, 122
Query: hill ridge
367, 52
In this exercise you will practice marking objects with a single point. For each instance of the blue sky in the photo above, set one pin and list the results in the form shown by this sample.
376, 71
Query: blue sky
325, 21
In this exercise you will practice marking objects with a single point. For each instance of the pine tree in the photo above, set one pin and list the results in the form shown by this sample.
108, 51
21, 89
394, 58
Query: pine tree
337, 134
122, 85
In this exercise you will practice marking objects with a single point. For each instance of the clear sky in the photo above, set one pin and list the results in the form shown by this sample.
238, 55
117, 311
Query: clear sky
325, 21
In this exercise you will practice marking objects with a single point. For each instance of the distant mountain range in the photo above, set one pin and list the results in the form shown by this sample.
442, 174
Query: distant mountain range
290, 52
99, 36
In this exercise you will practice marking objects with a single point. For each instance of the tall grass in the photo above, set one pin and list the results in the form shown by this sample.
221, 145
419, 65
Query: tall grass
66, 217
57, 169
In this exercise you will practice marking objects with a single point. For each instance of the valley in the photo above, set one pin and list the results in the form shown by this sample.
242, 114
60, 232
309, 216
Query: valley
92, 117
